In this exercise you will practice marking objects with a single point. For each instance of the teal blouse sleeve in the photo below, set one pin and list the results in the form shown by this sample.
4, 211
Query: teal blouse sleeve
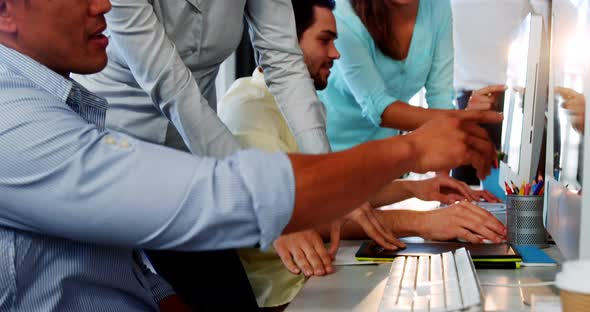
439, 84
360, 73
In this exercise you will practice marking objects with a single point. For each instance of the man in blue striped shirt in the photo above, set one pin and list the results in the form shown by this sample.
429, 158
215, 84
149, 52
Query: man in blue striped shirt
76, 198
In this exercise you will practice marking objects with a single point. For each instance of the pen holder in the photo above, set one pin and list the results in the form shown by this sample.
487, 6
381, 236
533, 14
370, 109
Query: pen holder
524, 219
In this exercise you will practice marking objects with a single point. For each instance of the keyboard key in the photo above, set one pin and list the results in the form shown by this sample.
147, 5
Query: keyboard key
436, 274
409, 278
469, 289
437, 303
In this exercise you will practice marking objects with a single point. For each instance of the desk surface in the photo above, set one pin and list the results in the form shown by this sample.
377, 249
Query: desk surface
359, 288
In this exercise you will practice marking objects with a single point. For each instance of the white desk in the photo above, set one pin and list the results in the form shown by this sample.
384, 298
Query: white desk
359, 288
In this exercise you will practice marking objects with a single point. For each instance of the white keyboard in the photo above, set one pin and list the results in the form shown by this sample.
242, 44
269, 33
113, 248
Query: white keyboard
441, 282
492, 207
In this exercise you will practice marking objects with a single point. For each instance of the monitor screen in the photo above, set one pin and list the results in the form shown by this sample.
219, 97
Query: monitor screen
569, 63
515, 95
512, 145
525, 102
565, 218
568, 147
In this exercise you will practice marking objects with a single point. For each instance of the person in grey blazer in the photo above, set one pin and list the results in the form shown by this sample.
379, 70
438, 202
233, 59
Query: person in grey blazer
165, 55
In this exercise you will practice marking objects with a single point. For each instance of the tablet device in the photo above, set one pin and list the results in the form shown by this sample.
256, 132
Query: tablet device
484, 253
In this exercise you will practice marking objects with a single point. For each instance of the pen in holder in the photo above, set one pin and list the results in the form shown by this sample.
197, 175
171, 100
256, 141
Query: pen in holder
524, 218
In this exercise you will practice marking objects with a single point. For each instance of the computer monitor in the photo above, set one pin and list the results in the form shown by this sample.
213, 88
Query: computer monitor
525, 102
565, 218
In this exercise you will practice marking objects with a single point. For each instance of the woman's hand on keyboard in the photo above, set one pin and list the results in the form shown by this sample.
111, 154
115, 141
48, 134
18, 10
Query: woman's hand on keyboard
441, 188
484, 195
462, 220
447, 190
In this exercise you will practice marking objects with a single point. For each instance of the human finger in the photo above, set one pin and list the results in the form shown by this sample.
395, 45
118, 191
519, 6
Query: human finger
444, 199
465, 234
481, 102
479, 116
491, 89
480, 155
475, 223
482, 167
385, 230
300, 258
374, 233
481, 106
485, 218
457, 186
475, 130
566, 93
574, 107
335, 231
287, 259
475, 226
578, 123
310, 248
324, 256
485, 195
453, 198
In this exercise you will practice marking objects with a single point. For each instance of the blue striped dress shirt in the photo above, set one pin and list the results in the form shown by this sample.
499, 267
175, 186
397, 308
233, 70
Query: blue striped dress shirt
76, 198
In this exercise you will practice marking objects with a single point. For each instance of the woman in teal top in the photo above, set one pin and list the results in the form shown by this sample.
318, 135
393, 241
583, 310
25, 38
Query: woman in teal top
389, 49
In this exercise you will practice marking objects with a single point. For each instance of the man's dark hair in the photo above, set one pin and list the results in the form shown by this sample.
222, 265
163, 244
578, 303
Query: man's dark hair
304, 16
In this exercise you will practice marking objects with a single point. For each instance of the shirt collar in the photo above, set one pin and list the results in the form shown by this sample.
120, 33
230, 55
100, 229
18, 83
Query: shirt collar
36, 72
89, 106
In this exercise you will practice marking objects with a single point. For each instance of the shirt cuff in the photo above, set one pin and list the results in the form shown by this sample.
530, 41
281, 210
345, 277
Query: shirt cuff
375, 105
313, 141
273, 209
158, 286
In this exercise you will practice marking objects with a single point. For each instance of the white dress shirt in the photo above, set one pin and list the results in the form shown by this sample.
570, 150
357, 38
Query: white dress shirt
482, 31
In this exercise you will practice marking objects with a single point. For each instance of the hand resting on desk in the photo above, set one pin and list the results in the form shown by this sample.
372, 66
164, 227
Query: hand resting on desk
305, 251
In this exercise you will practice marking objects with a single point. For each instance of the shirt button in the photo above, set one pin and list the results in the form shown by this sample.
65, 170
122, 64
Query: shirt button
124, 144
109, 140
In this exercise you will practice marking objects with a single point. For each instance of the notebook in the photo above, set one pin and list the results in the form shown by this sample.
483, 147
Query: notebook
533, 256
